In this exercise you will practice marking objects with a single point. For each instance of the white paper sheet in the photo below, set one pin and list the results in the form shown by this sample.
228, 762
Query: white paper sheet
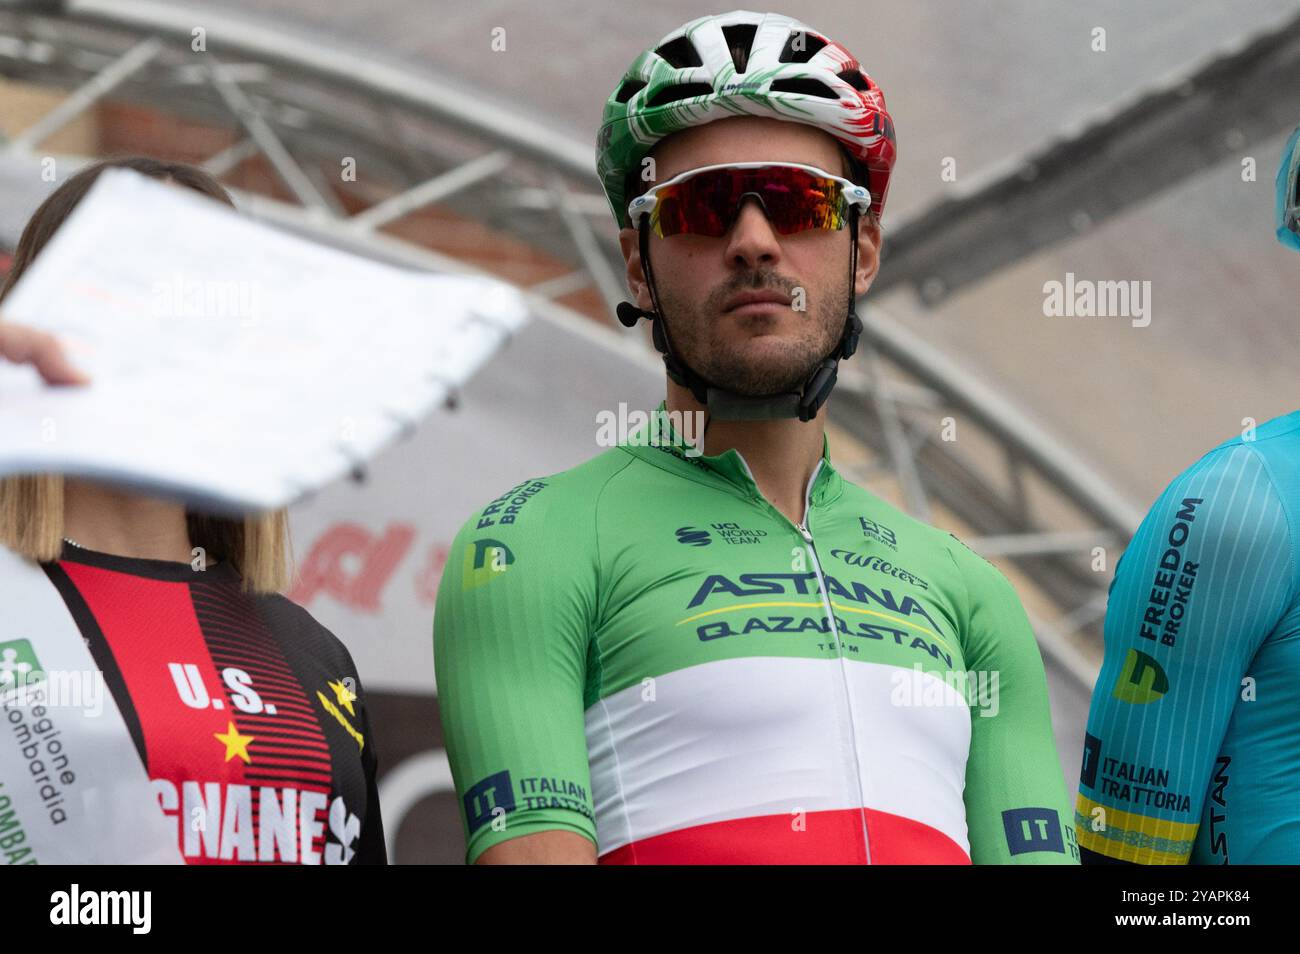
233, 365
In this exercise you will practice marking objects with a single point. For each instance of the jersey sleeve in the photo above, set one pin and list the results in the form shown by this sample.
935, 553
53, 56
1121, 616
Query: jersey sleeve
371, 847
1198, 590
1017, 808
297, 627
512, 623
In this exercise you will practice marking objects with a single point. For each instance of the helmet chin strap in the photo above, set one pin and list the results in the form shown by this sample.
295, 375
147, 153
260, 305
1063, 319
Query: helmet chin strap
727, 405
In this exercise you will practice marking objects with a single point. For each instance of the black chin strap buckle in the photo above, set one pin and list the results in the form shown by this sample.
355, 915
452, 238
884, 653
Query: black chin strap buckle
849, 343
818, 389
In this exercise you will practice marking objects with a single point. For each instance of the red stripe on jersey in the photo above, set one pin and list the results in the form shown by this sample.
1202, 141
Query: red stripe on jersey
149, 624
176, 644
818, 838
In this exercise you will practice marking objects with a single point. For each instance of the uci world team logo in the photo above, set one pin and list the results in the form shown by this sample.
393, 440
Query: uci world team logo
1142, 679
693, 537
485, 560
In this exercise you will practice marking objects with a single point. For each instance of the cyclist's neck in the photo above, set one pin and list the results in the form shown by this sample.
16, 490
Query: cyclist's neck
781, 455
104, 518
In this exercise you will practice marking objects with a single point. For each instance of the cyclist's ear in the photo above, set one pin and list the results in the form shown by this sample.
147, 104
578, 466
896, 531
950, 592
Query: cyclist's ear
636, 284
869, 239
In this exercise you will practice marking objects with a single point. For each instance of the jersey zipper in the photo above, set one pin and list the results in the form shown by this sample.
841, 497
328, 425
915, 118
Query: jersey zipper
804, 531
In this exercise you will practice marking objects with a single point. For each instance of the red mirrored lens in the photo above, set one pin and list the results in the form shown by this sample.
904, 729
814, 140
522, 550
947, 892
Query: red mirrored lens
706, 204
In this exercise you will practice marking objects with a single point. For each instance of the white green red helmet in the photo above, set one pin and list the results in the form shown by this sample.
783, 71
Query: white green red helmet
743, 63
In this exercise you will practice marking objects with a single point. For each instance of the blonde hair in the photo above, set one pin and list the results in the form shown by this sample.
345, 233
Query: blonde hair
31, 505
256, 546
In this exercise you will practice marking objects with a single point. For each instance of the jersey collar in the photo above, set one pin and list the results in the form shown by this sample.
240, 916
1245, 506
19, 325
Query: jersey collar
659, 442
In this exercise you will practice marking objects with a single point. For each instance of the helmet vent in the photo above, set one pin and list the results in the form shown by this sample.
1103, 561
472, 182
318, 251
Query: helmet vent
680, 53
855, 79
800, 47
628, 90
740, 39
672, 94
804, 87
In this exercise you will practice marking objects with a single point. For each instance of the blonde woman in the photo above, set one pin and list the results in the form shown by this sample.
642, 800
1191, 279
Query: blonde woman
214, 721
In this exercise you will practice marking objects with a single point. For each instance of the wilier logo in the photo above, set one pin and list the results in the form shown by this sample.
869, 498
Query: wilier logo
692, 537
1142, 680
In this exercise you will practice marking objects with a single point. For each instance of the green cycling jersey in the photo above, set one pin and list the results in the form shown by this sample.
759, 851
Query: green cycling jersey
645, 651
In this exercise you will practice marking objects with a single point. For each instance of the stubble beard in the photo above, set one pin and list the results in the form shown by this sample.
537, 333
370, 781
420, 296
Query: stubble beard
733, 365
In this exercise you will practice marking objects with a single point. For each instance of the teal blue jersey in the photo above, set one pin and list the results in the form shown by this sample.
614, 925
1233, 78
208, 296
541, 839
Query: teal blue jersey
1193, 745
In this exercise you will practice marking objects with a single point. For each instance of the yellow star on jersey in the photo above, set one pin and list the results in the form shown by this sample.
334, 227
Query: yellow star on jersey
345, 696
235, 743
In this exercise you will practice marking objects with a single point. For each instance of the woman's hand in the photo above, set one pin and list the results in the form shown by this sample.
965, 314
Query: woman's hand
22, 345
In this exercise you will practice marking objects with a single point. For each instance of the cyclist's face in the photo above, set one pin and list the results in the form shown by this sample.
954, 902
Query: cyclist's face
754, 348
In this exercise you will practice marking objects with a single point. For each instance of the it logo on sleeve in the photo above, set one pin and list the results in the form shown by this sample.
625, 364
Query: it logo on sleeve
488, 799
1032, 829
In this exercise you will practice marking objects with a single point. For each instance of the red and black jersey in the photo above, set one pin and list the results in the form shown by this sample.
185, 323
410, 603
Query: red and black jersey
248, 715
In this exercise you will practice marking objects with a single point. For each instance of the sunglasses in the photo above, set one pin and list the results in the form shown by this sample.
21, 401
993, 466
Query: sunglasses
706, 201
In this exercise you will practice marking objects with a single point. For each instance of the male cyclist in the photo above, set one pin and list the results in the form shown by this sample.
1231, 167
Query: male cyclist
729, 653
1193, 745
